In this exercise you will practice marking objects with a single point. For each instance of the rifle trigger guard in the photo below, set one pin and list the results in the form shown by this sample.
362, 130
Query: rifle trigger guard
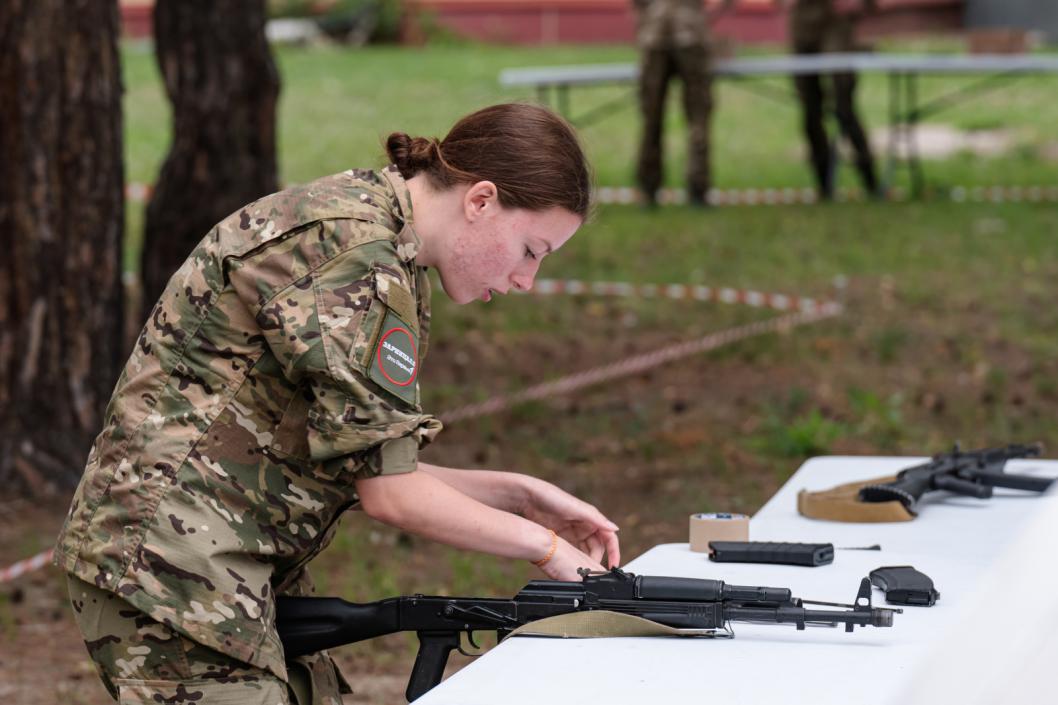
470, 638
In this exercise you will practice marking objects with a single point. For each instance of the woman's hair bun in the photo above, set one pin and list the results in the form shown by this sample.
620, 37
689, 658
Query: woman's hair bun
531, 155
412, 154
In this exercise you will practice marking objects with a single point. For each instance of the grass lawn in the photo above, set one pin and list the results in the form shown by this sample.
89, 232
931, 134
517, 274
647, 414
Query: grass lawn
951, 333
337, 104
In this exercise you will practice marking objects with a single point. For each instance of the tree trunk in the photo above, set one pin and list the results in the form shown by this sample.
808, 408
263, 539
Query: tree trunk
219, 75
62, 222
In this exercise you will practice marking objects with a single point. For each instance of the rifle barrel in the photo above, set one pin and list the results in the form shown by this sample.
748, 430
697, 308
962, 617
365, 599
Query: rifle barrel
1029, 483
789, 614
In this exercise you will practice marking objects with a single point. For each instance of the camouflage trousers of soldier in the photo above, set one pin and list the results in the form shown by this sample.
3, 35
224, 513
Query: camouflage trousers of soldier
658, 67
811, 91
142, 661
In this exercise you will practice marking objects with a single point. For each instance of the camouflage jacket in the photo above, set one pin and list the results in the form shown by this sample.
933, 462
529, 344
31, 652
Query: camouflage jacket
670, 24
823, 25
280, 364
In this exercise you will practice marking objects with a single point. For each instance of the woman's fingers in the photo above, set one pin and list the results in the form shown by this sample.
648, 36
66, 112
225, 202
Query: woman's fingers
594, 542
592, 515
567, 559
595, 548
613, 549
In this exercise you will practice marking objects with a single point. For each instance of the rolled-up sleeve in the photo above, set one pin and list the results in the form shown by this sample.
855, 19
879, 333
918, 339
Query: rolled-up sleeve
326, 327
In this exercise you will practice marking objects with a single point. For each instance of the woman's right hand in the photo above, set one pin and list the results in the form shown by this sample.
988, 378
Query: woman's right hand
565, 561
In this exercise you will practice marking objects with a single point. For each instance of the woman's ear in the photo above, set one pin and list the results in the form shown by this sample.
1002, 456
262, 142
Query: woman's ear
480, 200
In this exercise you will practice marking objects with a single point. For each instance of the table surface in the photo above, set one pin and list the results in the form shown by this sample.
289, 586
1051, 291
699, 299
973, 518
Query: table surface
955, 540
794, 64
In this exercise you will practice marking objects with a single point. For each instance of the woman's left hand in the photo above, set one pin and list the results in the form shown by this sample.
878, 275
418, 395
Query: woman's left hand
573, 519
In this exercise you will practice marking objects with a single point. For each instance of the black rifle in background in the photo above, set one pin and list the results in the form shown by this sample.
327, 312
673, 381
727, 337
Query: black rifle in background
973, 473
310, 624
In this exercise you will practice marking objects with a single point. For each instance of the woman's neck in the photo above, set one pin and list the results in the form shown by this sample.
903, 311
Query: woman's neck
429, 208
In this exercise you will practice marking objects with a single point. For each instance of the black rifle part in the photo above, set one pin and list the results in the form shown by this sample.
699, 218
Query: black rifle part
808, 554
903, 585
310, 624
973, 474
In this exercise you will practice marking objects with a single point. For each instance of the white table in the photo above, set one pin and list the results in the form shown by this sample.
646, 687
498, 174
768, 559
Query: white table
954, 541
905, 109
791, 65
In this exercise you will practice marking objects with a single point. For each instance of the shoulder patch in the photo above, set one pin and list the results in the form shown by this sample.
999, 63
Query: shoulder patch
392, 290
395, 358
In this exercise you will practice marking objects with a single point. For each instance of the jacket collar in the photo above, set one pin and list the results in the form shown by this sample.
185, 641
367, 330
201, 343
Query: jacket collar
408, 242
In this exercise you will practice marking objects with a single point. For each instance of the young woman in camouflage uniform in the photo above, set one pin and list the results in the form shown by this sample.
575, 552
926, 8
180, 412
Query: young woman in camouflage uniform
275, 385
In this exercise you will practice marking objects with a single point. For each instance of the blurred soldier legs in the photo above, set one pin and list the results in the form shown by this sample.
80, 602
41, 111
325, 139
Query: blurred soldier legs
810, 92
845, 110
658, 66
813, 107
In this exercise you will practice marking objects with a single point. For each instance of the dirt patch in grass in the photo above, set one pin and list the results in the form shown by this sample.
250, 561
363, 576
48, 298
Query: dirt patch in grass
940, 141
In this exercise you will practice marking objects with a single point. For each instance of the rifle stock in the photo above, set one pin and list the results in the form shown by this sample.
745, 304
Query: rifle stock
310, 624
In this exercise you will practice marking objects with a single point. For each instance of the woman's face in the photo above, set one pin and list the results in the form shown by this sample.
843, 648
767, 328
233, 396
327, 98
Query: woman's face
496, 249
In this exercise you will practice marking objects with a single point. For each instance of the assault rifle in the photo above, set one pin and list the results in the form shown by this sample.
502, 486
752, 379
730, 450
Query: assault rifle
309, 624
973, 473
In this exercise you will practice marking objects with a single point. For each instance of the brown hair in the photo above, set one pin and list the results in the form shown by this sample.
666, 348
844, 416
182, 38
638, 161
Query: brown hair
529, 152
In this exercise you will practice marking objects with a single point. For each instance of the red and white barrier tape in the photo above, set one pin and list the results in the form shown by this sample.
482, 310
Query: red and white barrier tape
680, 292
717, 197
787, 196
138, 193
639, 363
999, 194
27, 566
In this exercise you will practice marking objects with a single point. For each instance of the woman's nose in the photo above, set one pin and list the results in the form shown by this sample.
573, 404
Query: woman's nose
522, 282
523, 277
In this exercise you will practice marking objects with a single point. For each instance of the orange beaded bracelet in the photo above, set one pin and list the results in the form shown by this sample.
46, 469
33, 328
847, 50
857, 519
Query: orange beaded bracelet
554, 546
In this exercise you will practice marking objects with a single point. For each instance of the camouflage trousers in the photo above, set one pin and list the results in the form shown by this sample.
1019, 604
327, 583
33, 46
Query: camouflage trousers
657, 68
142, 661
815, 103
